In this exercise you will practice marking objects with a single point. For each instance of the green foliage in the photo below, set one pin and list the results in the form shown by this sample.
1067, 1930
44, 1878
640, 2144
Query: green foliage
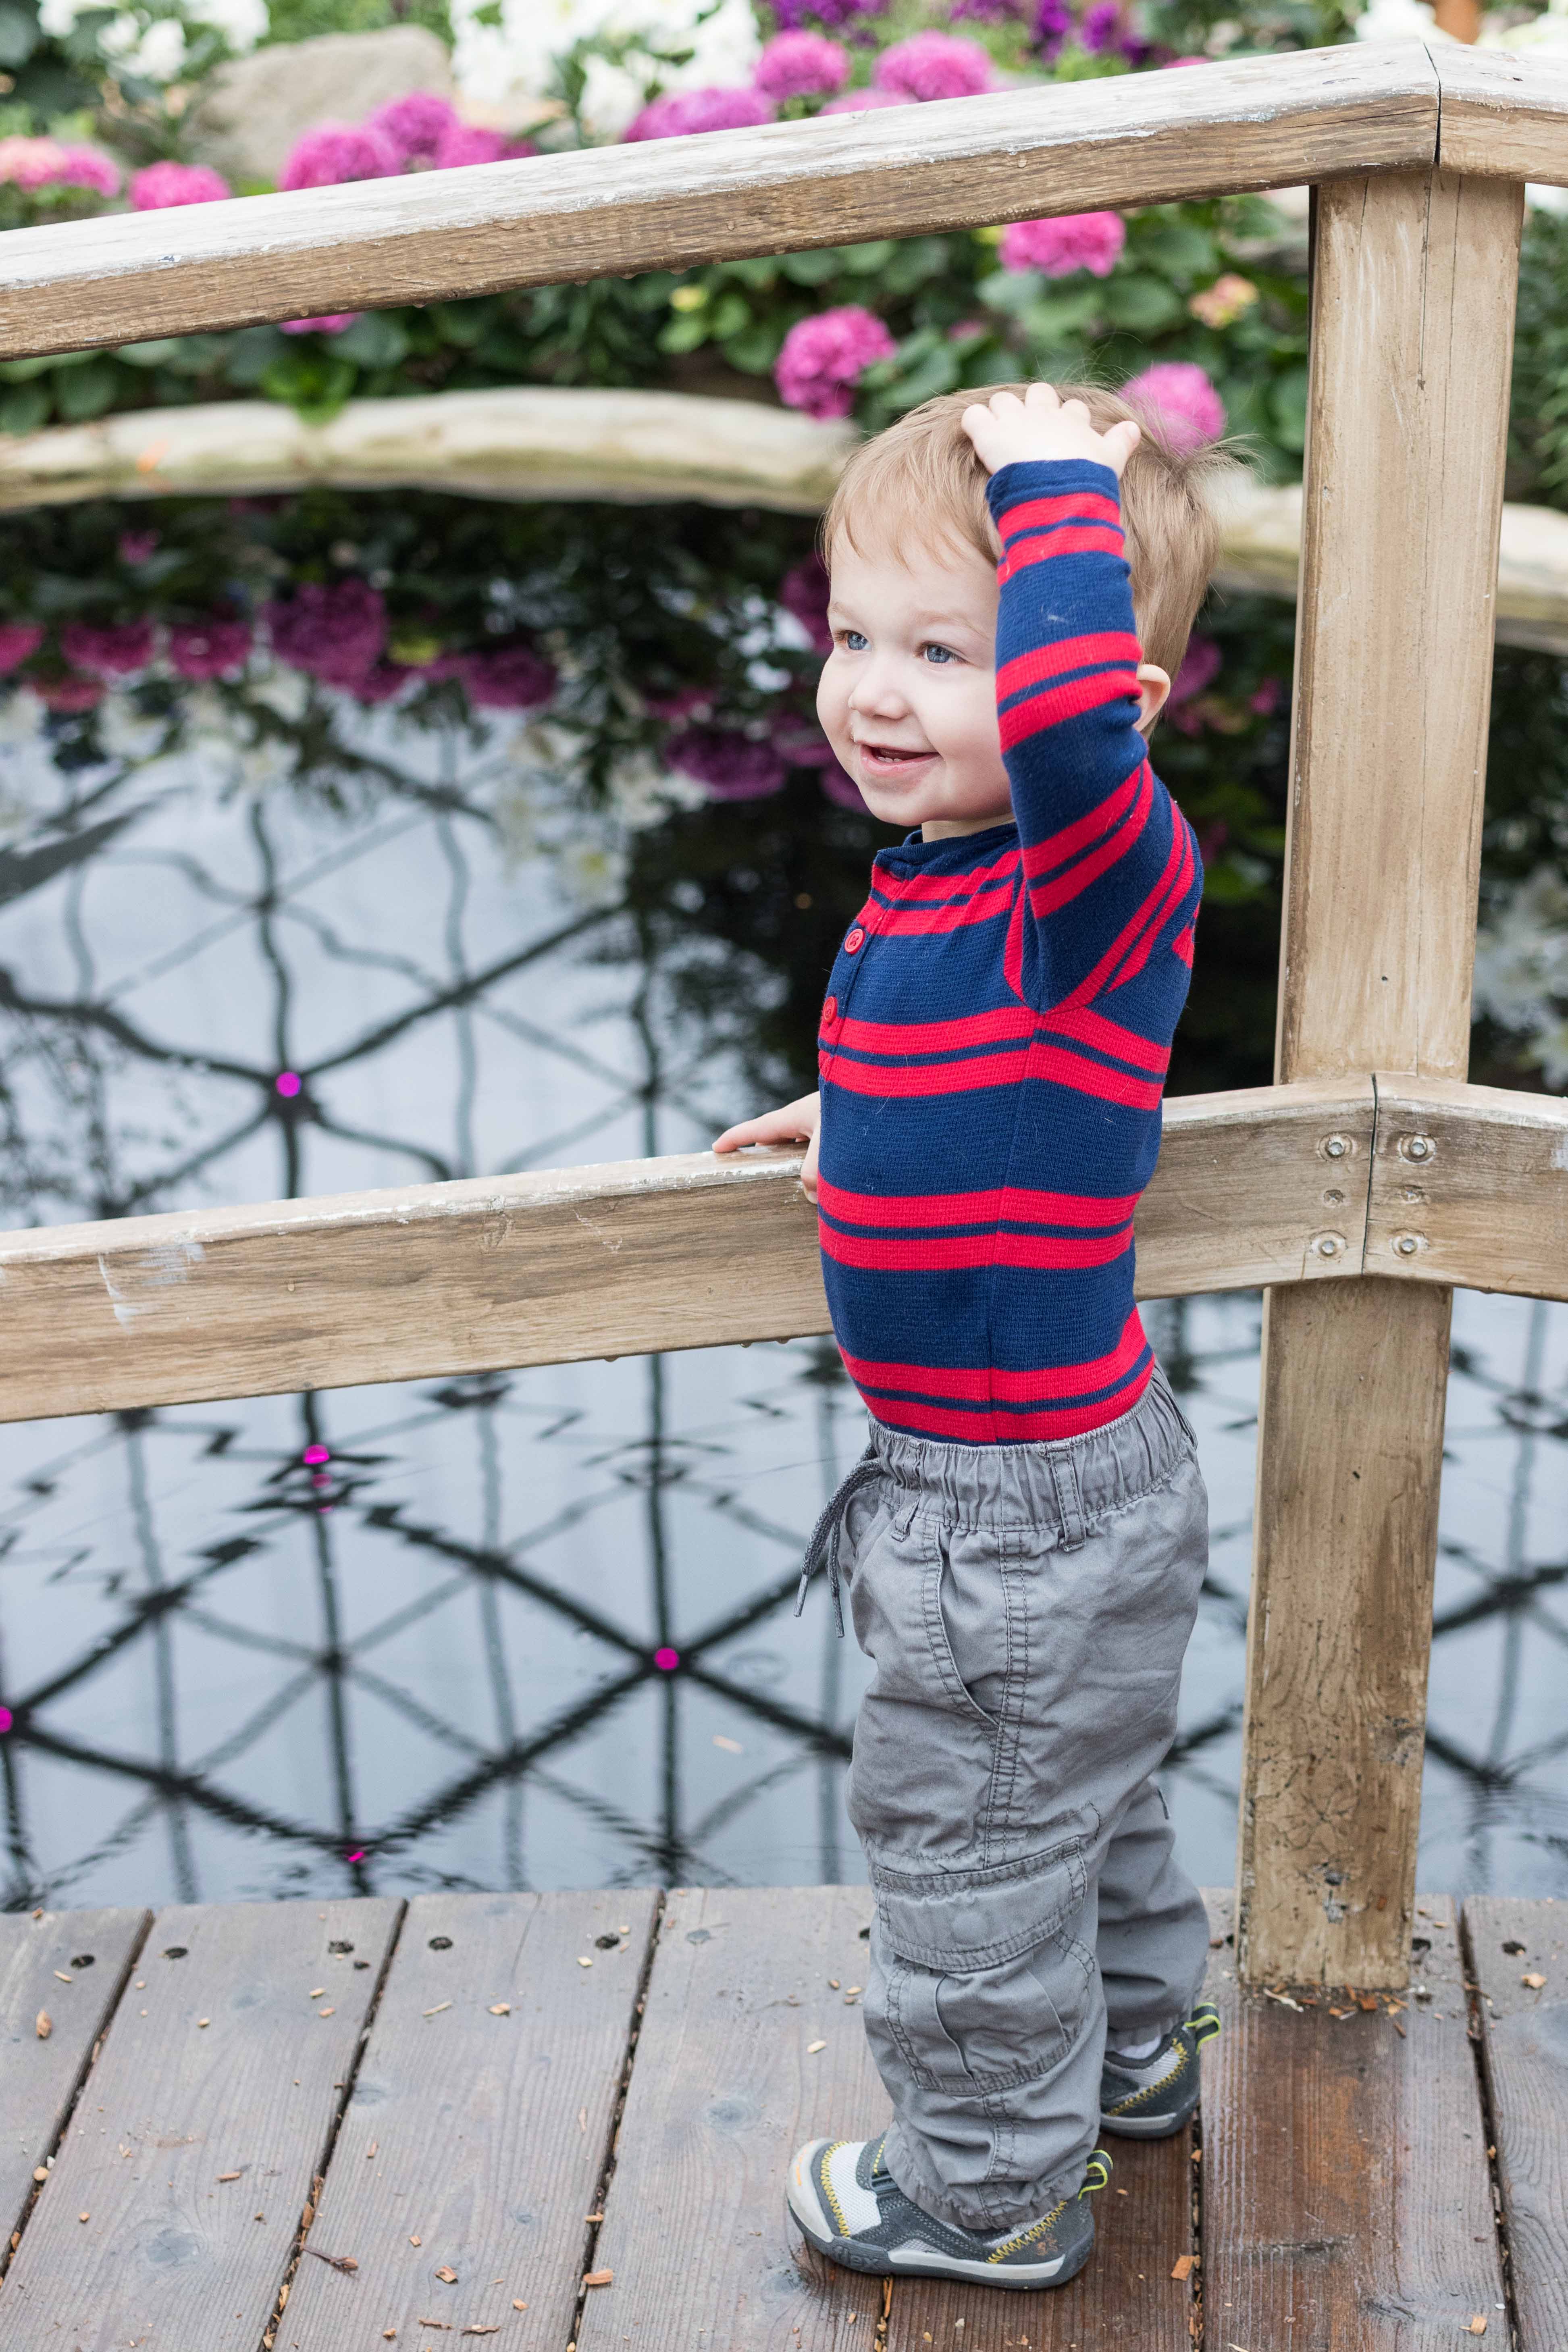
304, 20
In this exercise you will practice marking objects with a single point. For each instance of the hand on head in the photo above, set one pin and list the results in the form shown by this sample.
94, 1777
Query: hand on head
1007, 431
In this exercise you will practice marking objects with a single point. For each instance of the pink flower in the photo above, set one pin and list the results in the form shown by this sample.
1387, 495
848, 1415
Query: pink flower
113, 650
336, 152
1179, 402
467, 143
90, 167
18, 641
1200, 667
841, 789
683, 111
70, 693
1091, 241
415, 125
207, 648
509, 675
335, 633
382, 682
1265, 699
728, 764
934, 65
163, 185
802, 592
823, 358
332, 322
1171, 63
34, 163
865, 101
135, 546
801, 65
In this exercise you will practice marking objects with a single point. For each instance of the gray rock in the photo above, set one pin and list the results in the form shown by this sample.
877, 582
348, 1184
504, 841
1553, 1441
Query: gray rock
247, 116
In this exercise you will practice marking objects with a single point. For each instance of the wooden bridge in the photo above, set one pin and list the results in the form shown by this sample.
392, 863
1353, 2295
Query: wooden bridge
1343, 2196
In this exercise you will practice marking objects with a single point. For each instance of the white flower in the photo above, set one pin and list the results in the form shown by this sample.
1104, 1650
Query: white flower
1521, 968
1537, 35
286, 691
594, 872
242, 23
22, 717
643, 794
612, 97
124, 734
515, 59
271, 761
1399, 20
56, 17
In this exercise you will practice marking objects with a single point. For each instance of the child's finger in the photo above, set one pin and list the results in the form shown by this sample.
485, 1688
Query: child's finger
1121, 440
1043, 395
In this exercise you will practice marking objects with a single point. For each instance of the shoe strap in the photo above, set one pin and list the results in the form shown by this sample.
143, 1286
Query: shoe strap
1097, 2175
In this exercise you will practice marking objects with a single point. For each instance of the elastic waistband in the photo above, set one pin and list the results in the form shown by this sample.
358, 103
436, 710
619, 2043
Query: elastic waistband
1064, 1482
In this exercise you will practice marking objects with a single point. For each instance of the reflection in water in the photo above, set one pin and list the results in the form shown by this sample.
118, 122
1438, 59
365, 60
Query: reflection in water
533, 1628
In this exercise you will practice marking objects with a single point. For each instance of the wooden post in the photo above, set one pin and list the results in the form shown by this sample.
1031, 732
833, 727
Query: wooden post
1415, 279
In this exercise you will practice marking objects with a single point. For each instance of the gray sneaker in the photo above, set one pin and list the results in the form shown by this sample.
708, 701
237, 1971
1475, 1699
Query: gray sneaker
1152, 2098
849, 2206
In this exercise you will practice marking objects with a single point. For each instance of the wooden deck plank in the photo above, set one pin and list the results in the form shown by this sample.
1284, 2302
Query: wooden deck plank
217, 2063
484, 2136
1524, 2042
1346, 2196
725, 2087
40, 2077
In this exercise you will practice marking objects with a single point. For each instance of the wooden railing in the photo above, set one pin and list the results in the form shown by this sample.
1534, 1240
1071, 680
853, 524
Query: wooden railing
1357, 1189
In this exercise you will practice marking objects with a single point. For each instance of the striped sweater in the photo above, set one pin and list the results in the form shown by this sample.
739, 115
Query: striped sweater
998, 1023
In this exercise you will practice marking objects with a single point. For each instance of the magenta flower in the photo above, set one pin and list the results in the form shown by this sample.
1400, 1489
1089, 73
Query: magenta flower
71, 692
867, 101
335, 633
802, 592
1200, 667
841, 789
1101, 28
19, 640
335, 153
415, 125
824, 358
1179, 402
383, 680
332, 322
683, 111
1053, 22
793, 13
207, 648
729, 765
934, 65
135, 547
801, 65
110, 649
34, 163
468, 142
1091, 241
163, 185
509, 675
90, 167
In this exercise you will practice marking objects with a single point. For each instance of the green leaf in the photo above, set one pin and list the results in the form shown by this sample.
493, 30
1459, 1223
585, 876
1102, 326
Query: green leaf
253, 351
686, 330
812, 268
150, 355
1056, 316
84, 392
754, 351
1140, 304
463, 323
378, 340
25, 410
730, 315
861, 260
1176, 248
938, 371
1288, 402
314, 385
758, 272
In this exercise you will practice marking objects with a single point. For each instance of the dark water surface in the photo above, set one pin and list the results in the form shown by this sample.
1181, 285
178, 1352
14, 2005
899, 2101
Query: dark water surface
534, 1628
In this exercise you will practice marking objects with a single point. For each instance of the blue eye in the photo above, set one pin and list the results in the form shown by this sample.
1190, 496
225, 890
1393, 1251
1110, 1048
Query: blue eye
854, 642
938, 654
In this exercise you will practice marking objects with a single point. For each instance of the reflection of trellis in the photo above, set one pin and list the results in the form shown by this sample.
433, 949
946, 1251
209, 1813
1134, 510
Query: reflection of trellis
691, 1473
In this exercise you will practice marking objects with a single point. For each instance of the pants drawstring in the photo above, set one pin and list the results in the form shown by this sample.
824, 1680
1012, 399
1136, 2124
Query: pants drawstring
822, 1551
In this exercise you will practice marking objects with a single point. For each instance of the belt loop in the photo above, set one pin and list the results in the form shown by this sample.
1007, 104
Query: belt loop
1068, 1494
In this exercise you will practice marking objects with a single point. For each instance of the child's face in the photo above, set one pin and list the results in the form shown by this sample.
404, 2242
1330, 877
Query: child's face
908, 696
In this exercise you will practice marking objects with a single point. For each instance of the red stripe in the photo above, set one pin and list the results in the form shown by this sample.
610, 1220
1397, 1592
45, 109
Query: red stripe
919, 923
1107, 1037
1048, 1064
1036, 514
1095, 980
947, 886
959, 1428
949, 1253
979, 1384
1054, 705
1089, 540
940, 1037
1067, 653
1183, 945
1039, 857
1015, 1202
1173, 897
1045, 897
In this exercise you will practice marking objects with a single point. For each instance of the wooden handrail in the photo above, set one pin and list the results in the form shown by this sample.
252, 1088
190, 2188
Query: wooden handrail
1141, 139
1504, 116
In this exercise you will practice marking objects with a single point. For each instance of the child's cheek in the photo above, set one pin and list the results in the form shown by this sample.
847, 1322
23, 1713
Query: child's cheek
833, 703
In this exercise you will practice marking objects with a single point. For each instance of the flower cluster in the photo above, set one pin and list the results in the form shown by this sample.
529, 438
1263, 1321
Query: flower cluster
419, 133
32, 164
823, 358
1179, 402
164, 184
932, 66
1091, 241
802, 64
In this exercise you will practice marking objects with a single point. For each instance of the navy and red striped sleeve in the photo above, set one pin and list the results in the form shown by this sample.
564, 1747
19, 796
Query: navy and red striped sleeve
1111, 867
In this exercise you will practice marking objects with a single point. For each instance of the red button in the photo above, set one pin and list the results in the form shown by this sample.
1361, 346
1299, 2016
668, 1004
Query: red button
830, 1012
856, 938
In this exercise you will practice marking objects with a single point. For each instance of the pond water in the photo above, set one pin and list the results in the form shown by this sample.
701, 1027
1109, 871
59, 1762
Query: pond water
536, 1628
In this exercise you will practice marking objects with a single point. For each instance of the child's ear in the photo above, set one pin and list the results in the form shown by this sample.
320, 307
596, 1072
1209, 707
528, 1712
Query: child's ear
1154, 691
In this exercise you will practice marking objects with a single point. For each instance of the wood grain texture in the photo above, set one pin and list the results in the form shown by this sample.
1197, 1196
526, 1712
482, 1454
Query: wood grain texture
170, 2253
1346, 2199
38, 2079
1414, 286
1524, 2045
667, 203
688, 1252
1470, 1186
1505, 114
488, 2134
724, 2089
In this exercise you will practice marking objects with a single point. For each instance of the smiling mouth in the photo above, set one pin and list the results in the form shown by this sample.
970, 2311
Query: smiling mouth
889, 756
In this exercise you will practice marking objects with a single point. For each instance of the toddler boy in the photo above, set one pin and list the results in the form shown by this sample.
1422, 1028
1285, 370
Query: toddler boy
1024, 1542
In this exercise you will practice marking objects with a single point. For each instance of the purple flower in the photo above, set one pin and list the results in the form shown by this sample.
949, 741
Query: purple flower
1179, 402
681, 704
415, 125
335, 633
683, 111
729, 765
509, 675
801, 65
112, 649
336, 152
18, 641
1102, 26
1053, 22
163, 185
865, 101
841, 789
207, 648
793, 13
332, 322
1091, 241
802, 592
934, 65
383, 680
135, 547
1200, 667
823, 358
986, 12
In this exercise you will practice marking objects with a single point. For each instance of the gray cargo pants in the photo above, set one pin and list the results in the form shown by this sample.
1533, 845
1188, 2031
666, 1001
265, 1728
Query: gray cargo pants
1026, 1608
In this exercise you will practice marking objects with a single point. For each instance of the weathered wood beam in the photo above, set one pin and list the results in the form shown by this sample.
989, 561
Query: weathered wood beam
1264, 1185
667, 203
1470, 1186
1504, 114
1413, 309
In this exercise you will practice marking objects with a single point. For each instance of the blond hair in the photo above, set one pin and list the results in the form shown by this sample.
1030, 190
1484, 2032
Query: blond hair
921, 481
